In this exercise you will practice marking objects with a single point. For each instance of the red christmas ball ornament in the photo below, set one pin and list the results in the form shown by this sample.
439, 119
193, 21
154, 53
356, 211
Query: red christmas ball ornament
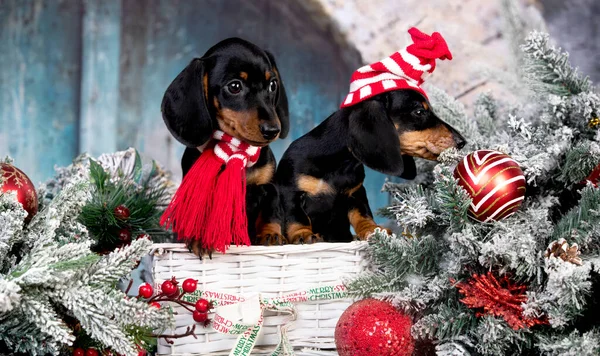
121, 212
91, 352
78, 352
495, 183
373, 327
13, 179
594, 177
199, 317
155, 304
125, 236
145, 290
202, 305
168, 288
189, 285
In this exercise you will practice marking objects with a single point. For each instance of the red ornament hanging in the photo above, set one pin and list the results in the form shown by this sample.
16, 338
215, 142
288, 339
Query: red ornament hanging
594, 177
78, 352
495, 183
499, 298
121, 212
13, 179
373, 327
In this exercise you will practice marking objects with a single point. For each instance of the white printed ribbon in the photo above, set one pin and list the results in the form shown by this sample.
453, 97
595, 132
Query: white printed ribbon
241, 316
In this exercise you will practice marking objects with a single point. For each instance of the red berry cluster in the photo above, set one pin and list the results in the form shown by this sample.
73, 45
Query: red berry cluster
171, 293
122, 213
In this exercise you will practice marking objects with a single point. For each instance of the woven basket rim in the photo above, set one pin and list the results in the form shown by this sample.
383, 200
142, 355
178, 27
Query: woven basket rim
268, 250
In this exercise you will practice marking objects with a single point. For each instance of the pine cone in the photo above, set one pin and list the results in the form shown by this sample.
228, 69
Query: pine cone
561, 249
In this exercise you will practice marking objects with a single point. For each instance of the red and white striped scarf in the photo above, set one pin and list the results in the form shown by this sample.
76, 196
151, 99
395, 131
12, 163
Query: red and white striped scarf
210, 203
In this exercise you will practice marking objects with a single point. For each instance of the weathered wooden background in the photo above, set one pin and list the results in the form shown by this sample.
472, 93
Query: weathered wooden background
88, 75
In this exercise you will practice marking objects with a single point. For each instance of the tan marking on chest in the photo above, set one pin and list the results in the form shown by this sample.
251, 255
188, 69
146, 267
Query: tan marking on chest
314, 186
262, 175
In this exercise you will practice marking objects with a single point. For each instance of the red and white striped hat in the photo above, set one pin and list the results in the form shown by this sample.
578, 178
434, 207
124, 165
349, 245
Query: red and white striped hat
404, 69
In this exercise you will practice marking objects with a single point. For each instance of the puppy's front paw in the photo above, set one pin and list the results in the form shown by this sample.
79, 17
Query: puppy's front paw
270, 235
196, 248
304, 237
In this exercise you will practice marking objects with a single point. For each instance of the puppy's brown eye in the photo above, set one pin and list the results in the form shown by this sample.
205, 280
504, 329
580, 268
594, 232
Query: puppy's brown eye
419, 112
234, 87
273, 86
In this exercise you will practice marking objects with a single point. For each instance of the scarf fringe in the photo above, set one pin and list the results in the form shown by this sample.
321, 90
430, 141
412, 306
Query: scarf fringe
210, 204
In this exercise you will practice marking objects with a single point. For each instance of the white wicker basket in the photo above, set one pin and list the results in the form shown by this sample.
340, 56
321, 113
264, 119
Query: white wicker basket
272, 271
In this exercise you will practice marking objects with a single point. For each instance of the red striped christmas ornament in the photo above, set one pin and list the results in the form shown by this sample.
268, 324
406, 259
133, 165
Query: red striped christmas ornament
495, 183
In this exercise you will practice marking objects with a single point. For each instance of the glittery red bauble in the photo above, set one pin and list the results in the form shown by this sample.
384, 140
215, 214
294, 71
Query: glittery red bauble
495, 183
13, 179
373, 327
594, 177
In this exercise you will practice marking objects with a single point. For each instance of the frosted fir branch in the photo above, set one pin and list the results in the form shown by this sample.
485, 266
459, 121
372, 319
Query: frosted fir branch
565, 291
21, 336
573, 344
486, 110
37, 268
450, 321
451, 111
579, 162
450, 156
495, 337
466, 244
369, 283
62, 210
110, 268
453, 200
39, 312
456, 347
412, 207
10, 296
576, 225
417, 294
548, 68
517, 244
96, 313
12, 216
401, 255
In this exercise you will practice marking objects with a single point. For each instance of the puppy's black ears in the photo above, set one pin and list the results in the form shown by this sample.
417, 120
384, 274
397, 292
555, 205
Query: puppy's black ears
281, 106
373, 139
184, 106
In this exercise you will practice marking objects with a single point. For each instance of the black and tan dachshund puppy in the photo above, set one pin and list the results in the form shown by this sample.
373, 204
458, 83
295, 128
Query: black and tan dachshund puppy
320, 176
236, 88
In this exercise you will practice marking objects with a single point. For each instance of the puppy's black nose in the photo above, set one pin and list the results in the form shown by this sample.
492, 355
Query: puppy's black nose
460, 141
269, 132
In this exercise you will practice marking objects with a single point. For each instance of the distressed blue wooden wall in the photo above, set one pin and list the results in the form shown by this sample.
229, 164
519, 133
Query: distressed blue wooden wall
89, 75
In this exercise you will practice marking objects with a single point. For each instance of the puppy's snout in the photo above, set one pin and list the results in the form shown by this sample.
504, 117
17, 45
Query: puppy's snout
459, 140
269, 131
